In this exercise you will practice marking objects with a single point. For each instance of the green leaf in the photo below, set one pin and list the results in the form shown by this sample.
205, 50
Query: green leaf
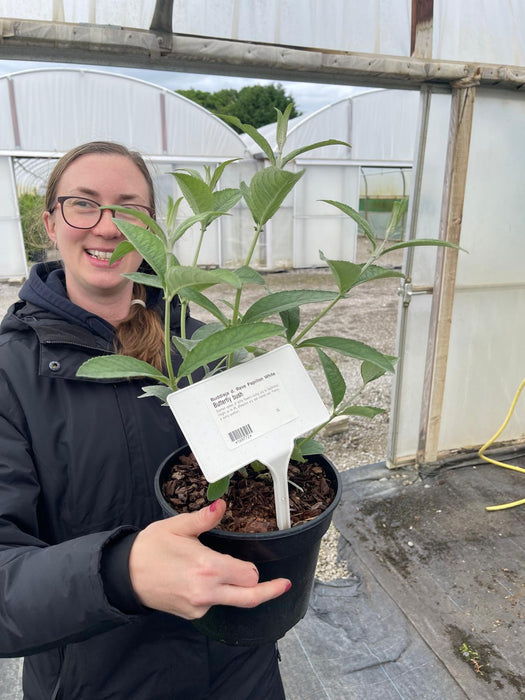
224, 200
282, 301
156, 391
118, 367
183, 345
336, 382
172, 211
206, 218
217, 489
375, 272
196, 192
194, 296
150, 246
291, 319
345, 273
206, 330
226, 342
371, 372
255, 135
144, 278
423, 242
304, 149
122, 249
364, 411
308, 447
192, 171
297, 453
267, 191
282, 127
141, 216
351, 348
353, 214
248, 275
399, 210
188, 276
217, 173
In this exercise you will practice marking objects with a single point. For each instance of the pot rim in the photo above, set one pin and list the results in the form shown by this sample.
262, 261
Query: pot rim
273, 534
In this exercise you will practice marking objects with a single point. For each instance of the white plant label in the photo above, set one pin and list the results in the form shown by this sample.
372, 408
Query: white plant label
253, 411
244, 411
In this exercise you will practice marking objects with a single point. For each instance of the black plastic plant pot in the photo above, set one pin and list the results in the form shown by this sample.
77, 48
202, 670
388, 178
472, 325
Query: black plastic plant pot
290, 554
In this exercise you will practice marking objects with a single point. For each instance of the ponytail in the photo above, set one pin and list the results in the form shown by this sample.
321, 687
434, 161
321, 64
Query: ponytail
141, 334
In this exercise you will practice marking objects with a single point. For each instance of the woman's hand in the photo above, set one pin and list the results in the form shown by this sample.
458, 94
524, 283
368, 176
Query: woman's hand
173, 572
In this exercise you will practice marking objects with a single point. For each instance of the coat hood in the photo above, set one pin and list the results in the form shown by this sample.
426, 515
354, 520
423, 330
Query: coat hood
43, 295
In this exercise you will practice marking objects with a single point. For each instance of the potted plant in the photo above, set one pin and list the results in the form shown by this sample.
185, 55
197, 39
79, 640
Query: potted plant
233, 338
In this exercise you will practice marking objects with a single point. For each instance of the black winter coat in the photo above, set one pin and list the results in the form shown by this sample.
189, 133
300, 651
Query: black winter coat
77, 461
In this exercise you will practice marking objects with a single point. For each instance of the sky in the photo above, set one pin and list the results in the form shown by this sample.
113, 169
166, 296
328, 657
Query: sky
308, 97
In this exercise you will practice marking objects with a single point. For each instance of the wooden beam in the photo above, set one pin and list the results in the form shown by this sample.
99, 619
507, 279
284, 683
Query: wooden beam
462, 109
116, 46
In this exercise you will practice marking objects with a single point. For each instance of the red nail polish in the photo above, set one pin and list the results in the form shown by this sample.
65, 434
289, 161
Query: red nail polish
288, 586
213, 506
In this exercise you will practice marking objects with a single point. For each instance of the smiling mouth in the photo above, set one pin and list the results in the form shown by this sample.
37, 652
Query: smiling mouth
100, 254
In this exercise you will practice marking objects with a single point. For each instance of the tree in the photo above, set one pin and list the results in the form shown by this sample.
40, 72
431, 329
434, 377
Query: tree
253, 104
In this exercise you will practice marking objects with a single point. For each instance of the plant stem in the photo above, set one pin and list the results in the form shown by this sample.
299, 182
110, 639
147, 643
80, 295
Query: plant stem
312, 323
167, 343
335, 414
258, 229
199, 246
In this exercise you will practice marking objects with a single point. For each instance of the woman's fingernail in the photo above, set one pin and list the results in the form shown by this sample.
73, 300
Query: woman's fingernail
288, 586
213, 506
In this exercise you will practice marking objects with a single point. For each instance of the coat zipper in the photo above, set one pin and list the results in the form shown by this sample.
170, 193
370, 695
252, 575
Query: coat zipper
56, 690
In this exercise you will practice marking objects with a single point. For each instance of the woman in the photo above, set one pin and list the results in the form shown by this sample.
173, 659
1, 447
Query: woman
97, 588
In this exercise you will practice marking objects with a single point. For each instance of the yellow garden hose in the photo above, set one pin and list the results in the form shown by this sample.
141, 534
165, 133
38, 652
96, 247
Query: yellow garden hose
502, 464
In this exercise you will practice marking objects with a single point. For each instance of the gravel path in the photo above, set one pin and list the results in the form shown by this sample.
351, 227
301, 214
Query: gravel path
370, 316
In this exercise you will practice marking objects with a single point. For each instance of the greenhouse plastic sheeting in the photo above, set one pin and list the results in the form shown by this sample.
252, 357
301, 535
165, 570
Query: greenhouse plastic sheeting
57, 108
470, 30
379, 125
12, 252
485, 363
382, 27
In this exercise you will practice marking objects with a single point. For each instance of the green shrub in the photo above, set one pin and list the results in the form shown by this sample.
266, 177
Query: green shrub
36, 241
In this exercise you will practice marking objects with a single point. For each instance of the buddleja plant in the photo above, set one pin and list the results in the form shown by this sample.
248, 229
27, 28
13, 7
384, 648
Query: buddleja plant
234, 336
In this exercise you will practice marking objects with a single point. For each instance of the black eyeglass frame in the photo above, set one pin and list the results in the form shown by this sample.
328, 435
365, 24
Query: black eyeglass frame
102, 208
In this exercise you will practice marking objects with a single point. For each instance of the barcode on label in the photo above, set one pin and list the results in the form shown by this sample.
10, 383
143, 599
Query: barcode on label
241, 433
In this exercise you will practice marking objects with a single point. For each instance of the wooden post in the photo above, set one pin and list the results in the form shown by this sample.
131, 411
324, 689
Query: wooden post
162, 16
462, 109
422, 27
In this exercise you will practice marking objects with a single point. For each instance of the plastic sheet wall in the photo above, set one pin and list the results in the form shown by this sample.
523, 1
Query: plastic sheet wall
318, 225
486, 361
57, 109
12, 252
383, 27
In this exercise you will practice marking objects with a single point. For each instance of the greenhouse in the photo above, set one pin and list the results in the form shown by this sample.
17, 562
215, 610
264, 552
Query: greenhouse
440, 121
380, 125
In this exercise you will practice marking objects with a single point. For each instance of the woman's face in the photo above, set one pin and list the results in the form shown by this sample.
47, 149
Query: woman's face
107, 179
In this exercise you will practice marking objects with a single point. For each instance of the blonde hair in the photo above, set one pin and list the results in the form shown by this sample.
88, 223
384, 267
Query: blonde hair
141, 333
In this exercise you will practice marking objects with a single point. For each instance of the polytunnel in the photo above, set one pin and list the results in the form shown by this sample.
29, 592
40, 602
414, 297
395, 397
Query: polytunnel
460, 327
466, 61
380, 127
45, 112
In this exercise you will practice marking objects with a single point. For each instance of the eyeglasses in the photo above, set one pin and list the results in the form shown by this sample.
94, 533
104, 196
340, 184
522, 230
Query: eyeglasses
81, 212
